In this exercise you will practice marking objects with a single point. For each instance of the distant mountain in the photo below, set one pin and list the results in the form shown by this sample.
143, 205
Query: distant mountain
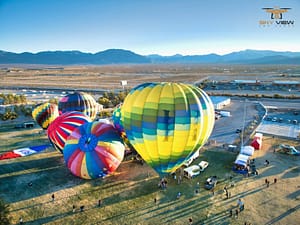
241, 57
211, 58
111, 56
258, 55
120, 56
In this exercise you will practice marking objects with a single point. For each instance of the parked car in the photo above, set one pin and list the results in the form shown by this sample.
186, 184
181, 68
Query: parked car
238, 131
211, 183
203, 165
192, 171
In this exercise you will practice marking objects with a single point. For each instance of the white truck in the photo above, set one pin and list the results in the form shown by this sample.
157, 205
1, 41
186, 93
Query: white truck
225, 113
191, 159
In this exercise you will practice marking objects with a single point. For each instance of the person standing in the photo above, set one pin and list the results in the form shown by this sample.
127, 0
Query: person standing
73, 208
81, 208
230, 213
227, 195
53, 197
241, 204
236, 213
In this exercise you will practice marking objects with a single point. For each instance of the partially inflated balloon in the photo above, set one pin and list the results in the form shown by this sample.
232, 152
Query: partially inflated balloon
167, 122
45, 113
93, 150
116, 118
79, 101
60, 129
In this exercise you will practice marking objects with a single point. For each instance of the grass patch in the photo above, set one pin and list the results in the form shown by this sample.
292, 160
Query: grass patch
127, 199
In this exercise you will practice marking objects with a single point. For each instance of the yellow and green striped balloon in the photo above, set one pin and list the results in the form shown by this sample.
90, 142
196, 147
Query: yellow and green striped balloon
167, 122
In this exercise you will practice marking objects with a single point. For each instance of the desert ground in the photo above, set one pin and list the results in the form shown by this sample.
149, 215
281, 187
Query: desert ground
95, 78
128, 195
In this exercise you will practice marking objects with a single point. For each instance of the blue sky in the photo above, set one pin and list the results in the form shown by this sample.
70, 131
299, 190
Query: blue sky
165, 27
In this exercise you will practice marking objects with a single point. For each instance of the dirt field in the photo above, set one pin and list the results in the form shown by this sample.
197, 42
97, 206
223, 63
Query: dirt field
109, 77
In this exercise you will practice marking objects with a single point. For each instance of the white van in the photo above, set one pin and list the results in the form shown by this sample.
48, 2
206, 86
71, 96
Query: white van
191, 159
192, 171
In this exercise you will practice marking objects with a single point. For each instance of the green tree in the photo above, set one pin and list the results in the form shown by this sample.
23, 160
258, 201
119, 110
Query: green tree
4, 213
54, 101
17, 99
104, 101
23, 98
10, 98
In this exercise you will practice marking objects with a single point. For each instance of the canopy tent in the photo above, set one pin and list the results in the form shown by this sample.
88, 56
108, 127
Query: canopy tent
247, 150
240, 164
241, 160
257, 141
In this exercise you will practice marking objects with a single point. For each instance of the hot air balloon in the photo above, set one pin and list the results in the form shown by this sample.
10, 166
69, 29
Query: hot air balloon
79, 101
116, 118
167, 122
93, 150
45, 113
60, 129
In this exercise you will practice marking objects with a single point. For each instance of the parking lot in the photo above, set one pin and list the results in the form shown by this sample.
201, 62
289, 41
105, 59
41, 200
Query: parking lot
279, 129
281, 122
224, 131
284, 113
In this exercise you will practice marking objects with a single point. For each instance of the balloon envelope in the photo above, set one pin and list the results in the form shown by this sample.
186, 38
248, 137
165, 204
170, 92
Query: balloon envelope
167, 122
93, 150
79, 101
45, 113
116, 118
60, 129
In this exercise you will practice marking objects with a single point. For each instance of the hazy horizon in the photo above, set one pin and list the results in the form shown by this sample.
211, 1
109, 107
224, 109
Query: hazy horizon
166, 27
74, 50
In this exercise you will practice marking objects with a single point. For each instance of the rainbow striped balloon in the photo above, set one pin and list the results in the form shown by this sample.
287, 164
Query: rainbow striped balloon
79, 101
167, 122
93, 150
45, 113
60, 129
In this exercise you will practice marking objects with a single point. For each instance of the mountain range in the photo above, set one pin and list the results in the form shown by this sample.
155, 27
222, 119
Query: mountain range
121, 56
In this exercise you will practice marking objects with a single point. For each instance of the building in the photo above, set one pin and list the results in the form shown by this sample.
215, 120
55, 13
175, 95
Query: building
220, 101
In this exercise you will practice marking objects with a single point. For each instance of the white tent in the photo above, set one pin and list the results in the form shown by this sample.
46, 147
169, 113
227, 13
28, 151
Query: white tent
242, 160
247, 150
